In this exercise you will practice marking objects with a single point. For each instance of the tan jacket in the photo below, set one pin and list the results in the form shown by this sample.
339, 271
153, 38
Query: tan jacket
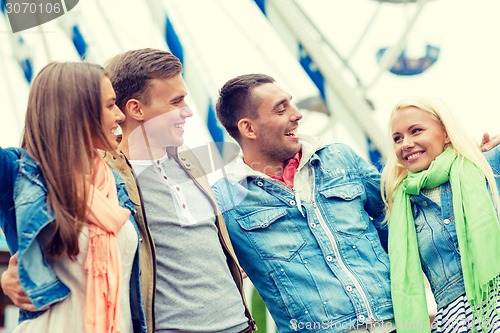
190, 163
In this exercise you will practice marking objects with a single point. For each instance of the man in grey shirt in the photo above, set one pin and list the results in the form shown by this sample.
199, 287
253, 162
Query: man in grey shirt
198, 283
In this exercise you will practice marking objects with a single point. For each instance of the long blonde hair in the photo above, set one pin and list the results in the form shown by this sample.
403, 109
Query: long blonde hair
63, 115
394, 172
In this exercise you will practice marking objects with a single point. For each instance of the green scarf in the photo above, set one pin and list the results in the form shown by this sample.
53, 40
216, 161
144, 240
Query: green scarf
478, 233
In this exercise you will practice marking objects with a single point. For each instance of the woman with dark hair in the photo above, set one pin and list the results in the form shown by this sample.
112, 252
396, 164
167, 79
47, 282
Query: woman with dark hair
65, 214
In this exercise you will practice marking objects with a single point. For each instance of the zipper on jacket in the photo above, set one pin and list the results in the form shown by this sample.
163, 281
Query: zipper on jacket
342, 264
331, 238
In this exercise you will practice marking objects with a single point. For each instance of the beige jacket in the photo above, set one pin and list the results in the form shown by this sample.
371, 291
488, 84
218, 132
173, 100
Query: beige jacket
191, 164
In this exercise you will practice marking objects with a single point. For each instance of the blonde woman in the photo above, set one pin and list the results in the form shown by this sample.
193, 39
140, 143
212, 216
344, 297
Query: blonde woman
442, 201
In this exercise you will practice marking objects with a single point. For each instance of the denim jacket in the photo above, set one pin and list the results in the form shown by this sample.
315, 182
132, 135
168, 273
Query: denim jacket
313, 253
24, 213
437, 239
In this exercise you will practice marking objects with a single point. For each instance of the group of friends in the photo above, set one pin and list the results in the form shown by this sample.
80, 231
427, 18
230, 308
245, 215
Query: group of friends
125, 234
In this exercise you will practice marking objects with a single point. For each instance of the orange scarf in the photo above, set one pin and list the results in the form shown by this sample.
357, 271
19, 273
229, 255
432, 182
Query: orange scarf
105, 219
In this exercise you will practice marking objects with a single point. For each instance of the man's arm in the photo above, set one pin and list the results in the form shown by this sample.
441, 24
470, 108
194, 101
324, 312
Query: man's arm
9, 281
374, 204
11, 286
487, 142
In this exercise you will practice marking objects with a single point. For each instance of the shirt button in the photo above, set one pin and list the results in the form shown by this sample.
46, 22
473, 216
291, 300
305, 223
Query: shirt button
446, 221
178, 188
361, 318
354, 246
313, 225
424, 203
259, 183
348, 288
329, 258
292, 202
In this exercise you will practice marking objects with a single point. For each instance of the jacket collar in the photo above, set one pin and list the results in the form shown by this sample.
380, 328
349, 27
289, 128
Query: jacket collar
238, 170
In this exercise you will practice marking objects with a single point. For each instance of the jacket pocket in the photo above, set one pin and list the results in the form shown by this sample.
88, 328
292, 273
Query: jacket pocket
273, 235
344, 208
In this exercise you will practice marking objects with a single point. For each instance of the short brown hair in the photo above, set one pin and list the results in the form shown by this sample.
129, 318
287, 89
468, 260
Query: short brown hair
235, 100
132, 71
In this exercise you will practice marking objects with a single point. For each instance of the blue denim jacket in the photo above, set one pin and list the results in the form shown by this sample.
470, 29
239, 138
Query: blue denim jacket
24, 213
437, 239
317, 262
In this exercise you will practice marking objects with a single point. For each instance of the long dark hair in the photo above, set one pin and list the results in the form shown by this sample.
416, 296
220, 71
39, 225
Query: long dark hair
63, 115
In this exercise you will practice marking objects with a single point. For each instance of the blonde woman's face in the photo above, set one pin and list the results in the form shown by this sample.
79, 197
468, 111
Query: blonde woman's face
418, 138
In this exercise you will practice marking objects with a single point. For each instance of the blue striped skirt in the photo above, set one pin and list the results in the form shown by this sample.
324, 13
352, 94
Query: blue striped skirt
456, 317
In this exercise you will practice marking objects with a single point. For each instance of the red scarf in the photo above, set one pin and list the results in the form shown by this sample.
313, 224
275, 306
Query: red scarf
289, 170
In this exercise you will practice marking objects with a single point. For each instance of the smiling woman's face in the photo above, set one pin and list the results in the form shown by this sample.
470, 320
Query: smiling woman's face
111, 115
418, 138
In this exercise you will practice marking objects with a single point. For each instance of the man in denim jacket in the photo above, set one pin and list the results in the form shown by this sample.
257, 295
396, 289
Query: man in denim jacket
302, 216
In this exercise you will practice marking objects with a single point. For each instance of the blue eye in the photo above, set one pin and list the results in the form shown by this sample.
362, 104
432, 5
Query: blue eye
416, 130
